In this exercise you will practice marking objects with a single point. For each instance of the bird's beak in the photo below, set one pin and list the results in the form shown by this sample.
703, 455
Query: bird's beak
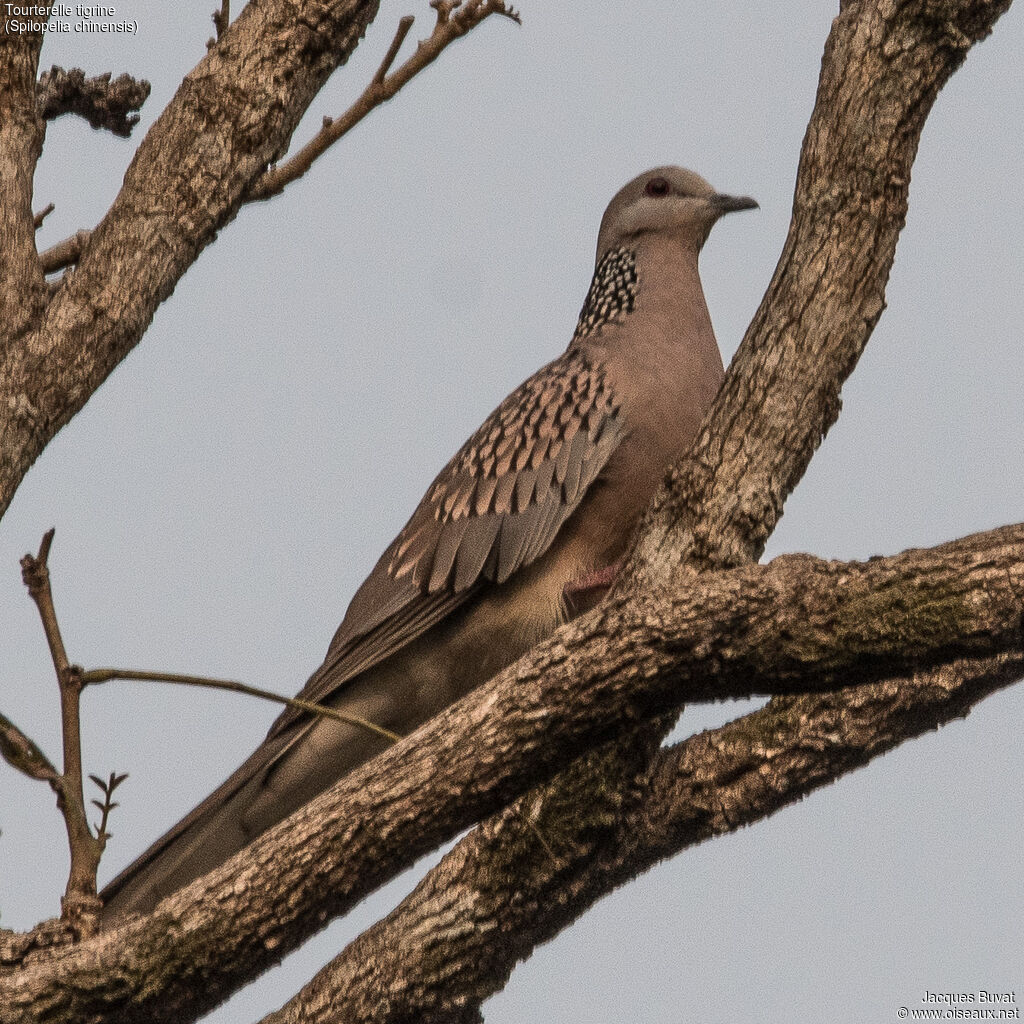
729, 204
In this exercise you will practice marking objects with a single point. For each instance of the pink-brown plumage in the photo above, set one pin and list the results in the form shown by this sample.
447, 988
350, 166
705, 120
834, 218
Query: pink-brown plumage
547, 490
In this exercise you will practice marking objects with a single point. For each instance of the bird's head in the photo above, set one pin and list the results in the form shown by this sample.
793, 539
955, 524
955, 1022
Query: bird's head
670, 201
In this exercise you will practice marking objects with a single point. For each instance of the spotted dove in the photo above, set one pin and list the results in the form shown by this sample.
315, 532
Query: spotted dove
547, 491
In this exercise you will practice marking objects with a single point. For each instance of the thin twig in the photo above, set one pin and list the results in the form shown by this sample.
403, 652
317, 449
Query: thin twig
35, 573
64, 253
105, 675
80, 905
42, 215
401, 32
453, 20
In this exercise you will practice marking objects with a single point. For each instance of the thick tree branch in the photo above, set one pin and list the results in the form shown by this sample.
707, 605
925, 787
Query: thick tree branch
22, 288
232, 116
637, 656
884, 64
103, 102
722, 780
710, 784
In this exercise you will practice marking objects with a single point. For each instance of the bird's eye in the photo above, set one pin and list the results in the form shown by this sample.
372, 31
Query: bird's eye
657, 187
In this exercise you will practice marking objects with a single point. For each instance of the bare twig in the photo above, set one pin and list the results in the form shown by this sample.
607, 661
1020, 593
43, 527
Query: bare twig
105, 675
42, 215
401, 32
454, 19
103, 102
64, 253
79, 905
36, 575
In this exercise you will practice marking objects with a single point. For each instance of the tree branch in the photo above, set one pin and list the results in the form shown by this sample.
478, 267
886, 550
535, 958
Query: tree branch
106, 675
222, 19
713, 783
45, 212
22, 753
104, 103
635, 657
64, 253
453, 21
80, 905
884, 64
883, 67
231, 117
22, 288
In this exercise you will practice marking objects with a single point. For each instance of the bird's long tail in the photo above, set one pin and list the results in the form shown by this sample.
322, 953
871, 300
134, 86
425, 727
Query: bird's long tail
287, 770
214, 831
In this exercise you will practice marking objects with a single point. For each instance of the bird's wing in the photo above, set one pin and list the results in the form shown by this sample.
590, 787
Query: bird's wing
493, 509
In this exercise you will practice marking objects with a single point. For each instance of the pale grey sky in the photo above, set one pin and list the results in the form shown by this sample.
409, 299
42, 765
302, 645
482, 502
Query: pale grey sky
220, 498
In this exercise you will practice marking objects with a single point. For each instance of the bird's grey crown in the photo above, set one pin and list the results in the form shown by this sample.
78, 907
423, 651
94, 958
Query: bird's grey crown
612, 292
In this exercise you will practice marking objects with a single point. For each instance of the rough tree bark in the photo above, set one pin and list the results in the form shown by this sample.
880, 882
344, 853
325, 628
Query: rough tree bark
923, 636
795, 624
233, 115
884, 64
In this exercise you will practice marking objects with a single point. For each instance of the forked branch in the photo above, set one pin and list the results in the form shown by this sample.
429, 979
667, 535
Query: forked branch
80, 906
454, 19
796, 623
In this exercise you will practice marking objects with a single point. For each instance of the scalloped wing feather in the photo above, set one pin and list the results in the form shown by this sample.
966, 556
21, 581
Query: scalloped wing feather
496, 507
